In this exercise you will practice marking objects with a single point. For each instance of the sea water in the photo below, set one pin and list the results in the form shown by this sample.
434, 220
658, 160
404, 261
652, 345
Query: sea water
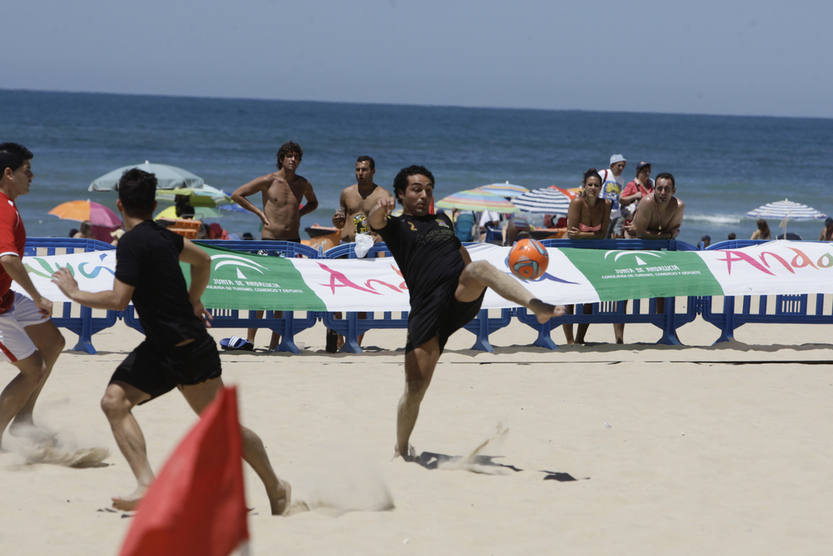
724, 165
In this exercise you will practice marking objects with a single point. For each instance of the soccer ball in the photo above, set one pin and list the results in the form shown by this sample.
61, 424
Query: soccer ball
528, 259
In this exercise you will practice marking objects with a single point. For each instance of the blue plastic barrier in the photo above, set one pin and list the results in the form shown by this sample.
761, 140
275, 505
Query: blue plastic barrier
286, 325
616, 311
780, 309
85, 324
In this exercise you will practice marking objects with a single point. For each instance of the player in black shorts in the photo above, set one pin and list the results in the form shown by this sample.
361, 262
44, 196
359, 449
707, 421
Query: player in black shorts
177, 352
446, 288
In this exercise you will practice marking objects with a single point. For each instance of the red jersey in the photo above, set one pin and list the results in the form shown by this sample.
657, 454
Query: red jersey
12, 242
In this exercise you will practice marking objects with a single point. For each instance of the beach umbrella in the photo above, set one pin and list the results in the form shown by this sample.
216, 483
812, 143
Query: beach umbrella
504, 189
477, 200
785, 211
200, 213
167, 177
96, 213
544, 200
202, 196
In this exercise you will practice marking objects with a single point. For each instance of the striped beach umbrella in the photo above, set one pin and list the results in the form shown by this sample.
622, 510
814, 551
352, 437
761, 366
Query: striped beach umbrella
504, 189
786, 209
477, 200
544, 200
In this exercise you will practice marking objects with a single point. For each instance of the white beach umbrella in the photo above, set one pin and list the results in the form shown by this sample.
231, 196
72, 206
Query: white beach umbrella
167, 177
785, 211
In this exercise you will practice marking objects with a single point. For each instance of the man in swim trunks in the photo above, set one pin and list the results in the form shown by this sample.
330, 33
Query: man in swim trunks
281, 193
29, 339
177, 352
351, 218
446, 287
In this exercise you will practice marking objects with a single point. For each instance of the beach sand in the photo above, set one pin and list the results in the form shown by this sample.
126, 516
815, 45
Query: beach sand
598, 449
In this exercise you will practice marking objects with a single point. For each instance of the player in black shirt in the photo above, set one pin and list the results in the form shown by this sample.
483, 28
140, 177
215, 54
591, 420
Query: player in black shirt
177, 352
446, 288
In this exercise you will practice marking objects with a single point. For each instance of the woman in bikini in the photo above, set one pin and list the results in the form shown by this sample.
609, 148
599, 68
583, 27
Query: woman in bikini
588, 218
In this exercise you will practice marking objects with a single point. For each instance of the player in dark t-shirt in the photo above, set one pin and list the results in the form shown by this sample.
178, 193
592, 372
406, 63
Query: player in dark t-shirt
177, 352
446, 288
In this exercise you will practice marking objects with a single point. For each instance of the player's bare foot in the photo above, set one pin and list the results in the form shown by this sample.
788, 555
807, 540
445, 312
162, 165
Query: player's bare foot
280, 497
408, 455
545, 311
128, 503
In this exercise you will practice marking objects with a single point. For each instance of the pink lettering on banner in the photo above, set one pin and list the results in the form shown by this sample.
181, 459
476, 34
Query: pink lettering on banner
799, 261
778, 258
739, 256
339, 280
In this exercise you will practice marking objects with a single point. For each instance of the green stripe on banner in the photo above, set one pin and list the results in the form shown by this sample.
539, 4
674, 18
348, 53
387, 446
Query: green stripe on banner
245, 281
621, 274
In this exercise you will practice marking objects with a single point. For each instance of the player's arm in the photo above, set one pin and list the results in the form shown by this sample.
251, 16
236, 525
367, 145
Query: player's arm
241, 193
379, 213
200, 263
115, 299
312, 200
14, 268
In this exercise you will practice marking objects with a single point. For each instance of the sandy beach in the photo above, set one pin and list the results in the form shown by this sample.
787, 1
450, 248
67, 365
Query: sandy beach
597, 449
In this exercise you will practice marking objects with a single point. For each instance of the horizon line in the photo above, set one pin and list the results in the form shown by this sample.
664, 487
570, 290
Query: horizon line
380, 103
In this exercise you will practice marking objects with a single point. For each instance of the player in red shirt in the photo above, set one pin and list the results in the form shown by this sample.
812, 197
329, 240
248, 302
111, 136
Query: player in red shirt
29, 339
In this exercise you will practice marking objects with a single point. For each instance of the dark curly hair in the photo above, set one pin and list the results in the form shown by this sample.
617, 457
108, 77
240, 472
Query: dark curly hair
289, 148
400, 182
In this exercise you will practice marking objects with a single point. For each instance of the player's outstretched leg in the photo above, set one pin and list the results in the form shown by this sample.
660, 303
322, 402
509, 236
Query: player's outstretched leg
419, 368
480, 274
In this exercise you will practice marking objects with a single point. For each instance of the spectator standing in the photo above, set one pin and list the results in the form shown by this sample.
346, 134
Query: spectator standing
636, 190
588, 218
613, 182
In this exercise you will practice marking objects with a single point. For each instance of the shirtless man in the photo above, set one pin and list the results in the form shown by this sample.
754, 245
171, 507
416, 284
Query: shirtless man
177, 351
445, 286
355, 203
358, 199
281, 193
659, 216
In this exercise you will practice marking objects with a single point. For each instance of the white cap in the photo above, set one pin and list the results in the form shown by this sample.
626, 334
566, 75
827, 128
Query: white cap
614, 158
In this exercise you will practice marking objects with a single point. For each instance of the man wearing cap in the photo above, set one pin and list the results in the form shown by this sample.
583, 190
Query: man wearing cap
639, 188
612, 184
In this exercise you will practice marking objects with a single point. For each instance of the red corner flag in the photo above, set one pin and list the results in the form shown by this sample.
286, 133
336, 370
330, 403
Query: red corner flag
196, 505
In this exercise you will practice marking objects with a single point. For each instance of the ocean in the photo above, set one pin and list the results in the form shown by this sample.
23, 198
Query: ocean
724, 165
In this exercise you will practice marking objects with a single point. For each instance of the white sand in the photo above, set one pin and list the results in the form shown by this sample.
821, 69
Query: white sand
675, 450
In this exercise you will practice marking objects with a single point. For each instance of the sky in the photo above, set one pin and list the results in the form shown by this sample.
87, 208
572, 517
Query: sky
707, 57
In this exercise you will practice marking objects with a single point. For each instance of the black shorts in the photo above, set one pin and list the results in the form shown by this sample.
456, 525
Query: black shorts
156, 370
438, 313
